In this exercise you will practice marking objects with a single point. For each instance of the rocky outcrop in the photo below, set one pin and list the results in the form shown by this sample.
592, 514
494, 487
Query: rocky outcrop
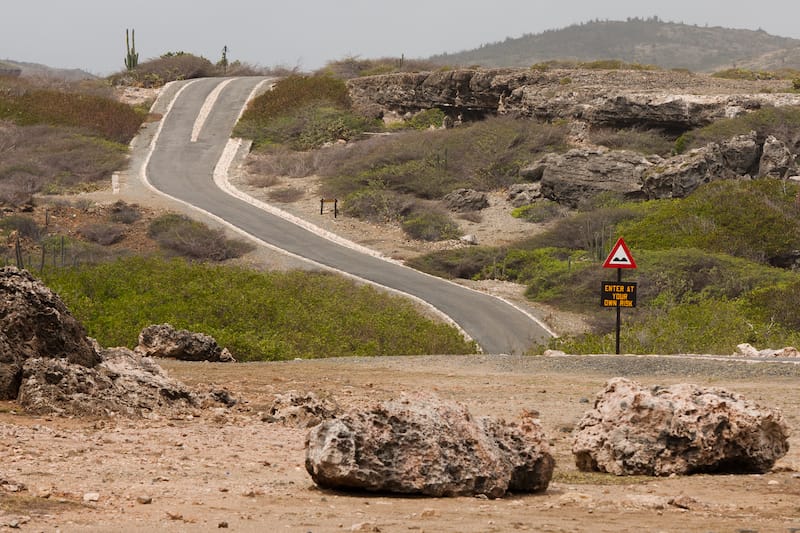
679, 175
520, 194
35, 323
428, 446
777, 161
747, 350
163, 340
49, 366
123, 383
618, 98
583, 173
466, 200
580, 174
682, 429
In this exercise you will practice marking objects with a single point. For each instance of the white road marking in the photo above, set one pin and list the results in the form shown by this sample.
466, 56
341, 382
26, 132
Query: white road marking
208, 105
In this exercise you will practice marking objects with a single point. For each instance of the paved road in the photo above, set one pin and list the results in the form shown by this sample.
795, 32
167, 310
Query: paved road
182, 165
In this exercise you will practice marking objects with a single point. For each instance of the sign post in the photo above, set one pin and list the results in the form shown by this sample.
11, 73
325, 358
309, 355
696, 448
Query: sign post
616, 293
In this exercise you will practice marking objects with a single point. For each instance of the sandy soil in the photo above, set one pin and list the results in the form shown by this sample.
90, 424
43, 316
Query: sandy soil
229, 469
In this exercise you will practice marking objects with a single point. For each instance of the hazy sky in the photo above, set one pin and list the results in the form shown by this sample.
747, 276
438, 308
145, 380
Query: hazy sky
90, 34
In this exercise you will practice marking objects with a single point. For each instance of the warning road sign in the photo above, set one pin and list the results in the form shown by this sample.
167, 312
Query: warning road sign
620, 256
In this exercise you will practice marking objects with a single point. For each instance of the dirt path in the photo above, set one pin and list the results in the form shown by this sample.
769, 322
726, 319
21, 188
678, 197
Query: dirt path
229, 468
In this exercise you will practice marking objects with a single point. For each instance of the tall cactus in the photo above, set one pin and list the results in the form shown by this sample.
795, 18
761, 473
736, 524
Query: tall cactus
132, 57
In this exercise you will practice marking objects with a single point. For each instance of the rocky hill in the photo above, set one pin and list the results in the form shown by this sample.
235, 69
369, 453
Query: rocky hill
648, 42
43, 71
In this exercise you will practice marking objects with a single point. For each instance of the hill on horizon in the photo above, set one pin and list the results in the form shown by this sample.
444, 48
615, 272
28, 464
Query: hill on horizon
643, 41
44, 71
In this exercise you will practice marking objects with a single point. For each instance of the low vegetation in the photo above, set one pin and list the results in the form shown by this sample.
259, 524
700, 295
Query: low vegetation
26, 104
60, 138
705, 277
258, 316
781, 122
356, 67
180, 235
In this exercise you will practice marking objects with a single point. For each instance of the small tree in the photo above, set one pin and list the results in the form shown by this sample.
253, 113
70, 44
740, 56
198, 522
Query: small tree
132, 57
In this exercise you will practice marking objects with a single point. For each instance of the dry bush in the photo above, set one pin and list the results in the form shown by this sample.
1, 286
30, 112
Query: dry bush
286, 195
644, 141
354, 67
48, 159
167, 68
430, 224
263, 181
25, 226
125, 213
280, 161
102, 234
195, 240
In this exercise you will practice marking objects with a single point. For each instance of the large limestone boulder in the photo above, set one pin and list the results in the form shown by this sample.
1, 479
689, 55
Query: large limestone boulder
49, 365
777, 161
163, 340
678, 176
35, 323
428, 446
466, 200
124, 383
682, 429
580, 174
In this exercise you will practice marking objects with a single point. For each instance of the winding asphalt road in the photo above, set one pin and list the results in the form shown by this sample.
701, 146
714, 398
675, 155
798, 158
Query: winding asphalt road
181, 163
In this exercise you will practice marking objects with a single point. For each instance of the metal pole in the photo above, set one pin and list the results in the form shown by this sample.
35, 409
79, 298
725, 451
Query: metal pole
619, 308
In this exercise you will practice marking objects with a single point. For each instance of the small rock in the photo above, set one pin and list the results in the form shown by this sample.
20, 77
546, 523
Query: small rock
429, 513
91, 497
144, 500
222, 525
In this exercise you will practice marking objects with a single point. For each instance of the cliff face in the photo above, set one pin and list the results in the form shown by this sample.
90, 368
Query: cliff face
619, 98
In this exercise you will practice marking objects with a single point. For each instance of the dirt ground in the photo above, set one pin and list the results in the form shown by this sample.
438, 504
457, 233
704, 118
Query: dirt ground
229, 469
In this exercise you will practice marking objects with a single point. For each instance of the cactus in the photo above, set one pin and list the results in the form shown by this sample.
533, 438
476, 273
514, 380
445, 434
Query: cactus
132, 57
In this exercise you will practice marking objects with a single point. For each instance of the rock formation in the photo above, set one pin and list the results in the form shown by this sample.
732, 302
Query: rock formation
300, 410
34, 322
466, 200
428, 446
122, 384
163, 340
683, 429
679, 175
579, 174
49, 365
618, 98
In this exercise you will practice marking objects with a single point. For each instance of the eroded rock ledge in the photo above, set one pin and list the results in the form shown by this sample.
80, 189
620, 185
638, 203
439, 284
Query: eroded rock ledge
648, 99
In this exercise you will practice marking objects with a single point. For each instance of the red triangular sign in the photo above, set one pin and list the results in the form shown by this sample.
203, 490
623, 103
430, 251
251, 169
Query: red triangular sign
620, 256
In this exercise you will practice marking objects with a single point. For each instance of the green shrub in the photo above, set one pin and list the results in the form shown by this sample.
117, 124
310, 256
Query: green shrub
756, 219
541, 211
192, 239
646, 142
464, 263
744, 74
782, 122
302, 112
430, 225
796, 84
426, 119
257, 315
26, 105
